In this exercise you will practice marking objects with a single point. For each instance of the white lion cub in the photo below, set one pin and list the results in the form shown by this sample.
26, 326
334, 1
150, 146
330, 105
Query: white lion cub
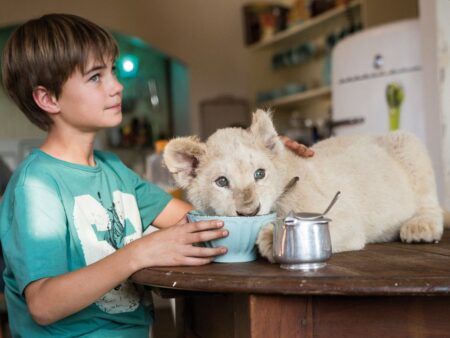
387, 183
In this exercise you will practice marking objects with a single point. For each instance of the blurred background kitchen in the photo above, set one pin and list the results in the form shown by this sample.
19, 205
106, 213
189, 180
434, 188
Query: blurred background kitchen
324, 67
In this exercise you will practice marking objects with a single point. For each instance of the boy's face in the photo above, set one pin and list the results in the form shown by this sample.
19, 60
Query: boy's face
91, 101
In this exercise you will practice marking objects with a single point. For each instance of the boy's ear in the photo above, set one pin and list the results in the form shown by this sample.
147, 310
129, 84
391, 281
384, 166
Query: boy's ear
263, 129
45, 100
182, 156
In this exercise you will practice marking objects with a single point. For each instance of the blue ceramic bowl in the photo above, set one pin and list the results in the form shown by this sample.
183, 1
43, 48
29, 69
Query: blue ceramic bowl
242, 234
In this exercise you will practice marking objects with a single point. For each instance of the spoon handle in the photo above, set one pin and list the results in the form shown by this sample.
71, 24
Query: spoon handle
332, 203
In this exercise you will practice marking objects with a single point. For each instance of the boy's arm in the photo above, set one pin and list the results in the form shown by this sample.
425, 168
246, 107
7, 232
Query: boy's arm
51, 299
174, 213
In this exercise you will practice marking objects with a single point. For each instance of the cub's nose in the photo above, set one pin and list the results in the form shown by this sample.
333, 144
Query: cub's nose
253, 213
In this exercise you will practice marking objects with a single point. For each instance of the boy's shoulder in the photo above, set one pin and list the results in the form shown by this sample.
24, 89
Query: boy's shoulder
34, 172
39, 166
106, 158
34, 166
40, 169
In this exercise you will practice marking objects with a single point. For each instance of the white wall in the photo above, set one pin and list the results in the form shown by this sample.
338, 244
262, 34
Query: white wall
443, 60
435, 30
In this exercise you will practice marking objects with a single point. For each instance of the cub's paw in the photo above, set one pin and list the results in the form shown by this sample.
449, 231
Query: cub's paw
421, 229
265, 242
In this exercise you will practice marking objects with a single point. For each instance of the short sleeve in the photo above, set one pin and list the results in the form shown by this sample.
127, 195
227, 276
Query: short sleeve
151, 200
37, 238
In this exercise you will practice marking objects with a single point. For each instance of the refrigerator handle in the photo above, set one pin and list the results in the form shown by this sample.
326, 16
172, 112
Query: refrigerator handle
346, 122
333, 124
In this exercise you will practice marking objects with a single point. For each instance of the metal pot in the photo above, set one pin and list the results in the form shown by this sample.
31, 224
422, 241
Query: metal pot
302, 241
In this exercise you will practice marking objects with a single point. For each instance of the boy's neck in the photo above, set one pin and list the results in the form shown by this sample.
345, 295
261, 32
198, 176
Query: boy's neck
77, 150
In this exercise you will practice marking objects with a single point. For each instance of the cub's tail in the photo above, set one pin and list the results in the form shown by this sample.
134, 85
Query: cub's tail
446, 219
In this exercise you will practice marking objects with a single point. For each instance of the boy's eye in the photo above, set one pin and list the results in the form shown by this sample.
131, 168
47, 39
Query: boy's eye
259, 174
95, 78
222, 182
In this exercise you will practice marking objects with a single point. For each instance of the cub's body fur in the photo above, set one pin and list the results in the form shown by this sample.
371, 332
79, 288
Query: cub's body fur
387, 183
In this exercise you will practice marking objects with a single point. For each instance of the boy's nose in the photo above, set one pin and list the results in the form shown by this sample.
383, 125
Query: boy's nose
117, 87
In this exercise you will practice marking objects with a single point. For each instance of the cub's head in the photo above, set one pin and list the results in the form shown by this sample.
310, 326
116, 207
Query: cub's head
234, 172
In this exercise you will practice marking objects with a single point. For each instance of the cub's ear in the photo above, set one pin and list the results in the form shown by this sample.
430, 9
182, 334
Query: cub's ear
262, 127
181, 157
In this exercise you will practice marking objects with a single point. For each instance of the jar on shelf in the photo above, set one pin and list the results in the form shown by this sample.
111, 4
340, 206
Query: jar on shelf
157, 173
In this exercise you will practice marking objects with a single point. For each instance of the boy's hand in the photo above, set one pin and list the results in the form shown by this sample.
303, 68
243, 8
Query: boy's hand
173, 246
297, 148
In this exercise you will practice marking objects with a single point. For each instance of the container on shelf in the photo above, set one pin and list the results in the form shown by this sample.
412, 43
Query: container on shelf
299, 27
262, 21
157, 173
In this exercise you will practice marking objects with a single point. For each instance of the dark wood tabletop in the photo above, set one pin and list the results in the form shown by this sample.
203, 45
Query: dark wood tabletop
380, 269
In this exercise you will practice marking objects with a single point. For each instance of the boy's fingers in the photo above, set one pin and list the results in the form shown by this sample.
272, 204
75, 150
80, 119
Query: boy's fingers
192, 261
203, 225
206, 235
196, 251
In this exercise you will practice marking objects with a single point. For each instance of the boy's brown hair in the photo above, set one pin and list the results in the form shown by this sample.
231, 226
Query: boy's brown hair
45, 52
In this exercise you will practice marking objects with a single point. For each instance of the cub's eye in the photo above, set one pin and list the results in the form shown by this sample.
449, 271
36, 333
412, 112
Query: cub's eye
259, 174
222, 182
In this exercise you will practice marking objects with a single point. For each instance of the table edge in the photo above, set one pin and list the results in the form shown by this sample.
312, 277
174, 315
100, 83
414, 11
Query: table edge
345, 286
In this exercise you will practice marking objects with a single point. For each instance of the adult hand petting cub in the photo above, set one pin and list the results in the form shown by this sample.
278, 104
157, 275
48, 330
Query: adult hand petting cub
297, 148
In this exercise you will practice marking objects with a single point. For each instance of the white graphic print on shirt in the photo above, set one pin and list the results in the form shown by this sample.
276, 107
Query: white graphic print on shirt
102, 229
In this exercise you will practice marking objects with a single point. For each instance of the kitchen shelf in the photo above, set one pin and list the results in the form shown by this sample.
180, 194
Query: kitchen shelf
300, 97
302, 27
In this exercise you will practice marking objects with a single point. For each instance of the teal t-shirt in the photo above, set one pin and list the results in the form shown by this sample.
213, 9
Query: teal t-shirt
58, 217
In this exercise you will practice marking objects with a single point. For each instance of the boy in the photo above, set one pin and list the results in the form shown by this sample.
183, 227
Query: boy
72, 218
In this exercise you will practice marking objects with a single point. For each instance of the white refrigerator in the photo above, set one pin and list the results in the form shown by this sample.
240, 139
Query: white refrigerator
377, 82
364, 65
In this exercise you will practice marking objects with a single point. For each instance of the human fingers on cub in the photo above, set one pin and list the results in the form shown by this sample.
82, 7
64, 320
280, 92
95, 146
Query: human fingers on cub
297, 148
300, 149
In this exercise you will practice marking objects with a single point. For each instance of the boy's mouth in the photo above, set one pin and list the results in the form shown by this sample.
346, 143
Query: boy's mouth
116, 106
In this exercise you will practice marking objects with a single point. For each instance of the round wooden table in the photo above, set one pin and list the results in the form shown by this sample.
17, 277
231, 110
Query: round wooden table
389, 289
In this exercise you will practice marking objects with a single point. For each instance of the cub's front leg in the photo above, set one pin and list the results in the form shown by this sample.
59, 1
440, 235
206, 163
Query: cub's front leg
265, 242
